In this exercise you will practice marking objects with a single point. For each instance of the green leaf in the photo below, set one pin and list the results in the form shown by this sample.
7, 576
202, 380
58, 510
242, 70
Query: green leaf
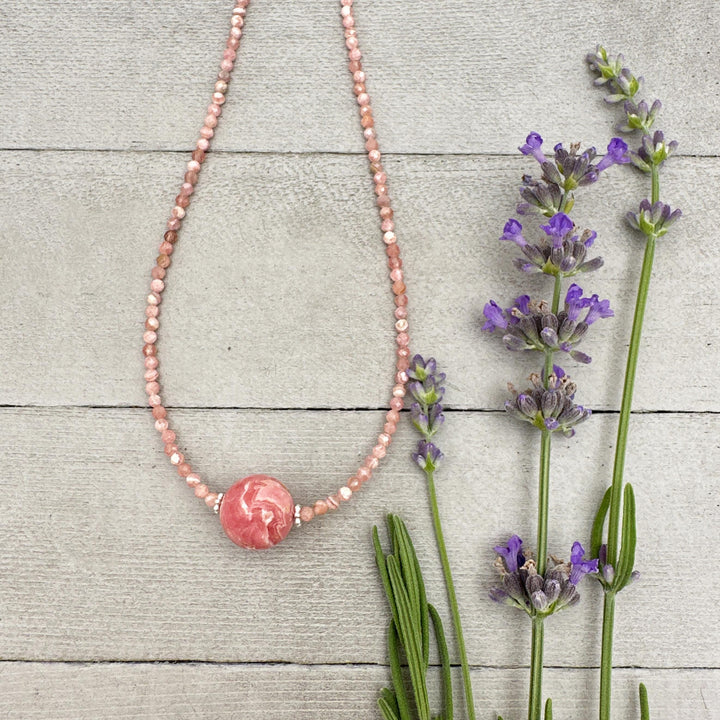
626, 561
413, 571
548, 709
401, 700
444, 663
382, 567
597, 529
644, 703
386, 708
410, 637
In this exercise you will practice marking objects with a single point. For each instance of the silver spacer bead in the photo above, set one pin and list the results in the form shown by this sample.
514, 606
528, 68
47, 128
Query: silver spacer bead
218, 503
298, 521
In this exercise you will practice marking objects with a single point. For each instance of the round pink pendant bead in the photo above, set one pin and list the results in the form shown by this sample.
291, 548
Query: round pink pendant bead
257, 512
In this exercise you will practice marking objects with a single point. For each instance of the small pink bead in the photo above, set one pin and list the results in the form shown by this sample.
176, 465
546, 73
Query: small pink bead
218, 98
237, 21
154, 299
402, 364
151, 362
345, 493
346, 3
398, 391
184, 470
178, 212
226, 64
401, 313
177, 458
389, 428
389, 238
364, 474
224, 75
170, 449
363, 99
371, 462
307, 514
194, 166
193, 480
161, 425
379, 451
397, 403
201, 490
354, 484
205, 133
150, 337
211, 499
401, 325
203, 143
159, 412
374, 155
152, 323
403, 352
346, 10
369, 133
157, 272
151, 375
157, 285
320, 507
168, 436
379, 189
211, 121
236, 32
233, 43
380, 178
173, 224
355, 55
393, 416
387, 225
359, 76
154, 401
384, 439
220, 86
348, 22
350, 44
402, 339
214, 110
401, 377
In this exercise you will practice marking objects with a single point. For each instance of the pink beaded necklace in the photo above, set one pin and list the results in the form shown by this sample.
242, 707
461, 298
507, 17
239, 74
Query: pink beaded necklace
258, 511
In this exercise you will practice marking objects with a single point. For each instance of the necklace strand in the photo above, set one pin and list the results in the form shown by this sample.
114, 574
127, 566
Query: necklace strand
214, 500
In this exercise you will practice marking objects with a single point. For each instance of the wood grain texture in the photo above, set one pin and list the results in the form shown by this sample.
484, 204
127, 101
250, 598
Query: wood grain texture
278, 295
467, 77
52, 691
109, 557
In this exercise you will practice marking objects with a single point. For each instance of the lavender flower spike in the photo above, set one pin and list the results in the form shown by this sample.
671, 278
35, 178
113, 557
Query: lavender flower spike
532, 146
653, 219
428, 456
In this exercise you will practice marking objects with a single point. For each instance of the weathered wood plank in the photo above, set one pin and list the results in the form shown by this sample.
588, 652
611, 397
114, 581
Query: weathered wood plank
208, 692
278, 296
108, 557
464, 79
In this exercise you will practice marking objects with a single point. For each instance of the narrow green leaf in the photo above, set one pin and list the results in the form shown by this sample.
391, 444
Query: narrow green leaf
421, 597
407, 567
626, 561
548, 709
597, 529
644, 703
401, 699
386, 709
409, 635
382, 567
447, 712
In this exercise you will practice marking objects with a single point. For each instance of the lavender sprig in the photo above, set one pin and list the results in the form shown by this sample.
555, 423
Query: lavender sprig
427, 388
653, 219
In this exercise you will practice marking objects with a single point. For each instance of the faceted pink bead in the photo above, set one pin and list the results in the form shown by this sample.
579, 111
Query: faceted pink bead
257, 512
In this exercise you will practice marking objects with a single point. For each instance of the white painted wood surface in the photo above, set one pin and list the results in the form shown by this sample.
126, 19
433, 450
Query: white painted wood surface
120, 596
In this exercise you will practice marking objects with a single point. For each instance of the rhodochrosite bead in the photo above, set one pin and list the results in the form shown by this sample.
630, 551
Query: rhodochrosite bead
257, 512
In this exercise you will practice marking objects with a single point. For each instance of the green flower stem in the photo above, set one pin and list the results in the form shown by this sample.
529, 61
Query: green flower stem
440, 539
536, 669
536, 649
606, 657
619, 466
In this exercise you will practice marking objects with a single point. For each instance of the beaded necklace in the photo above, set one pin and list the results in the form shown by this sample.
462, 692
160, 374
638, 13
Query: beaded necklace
258, 511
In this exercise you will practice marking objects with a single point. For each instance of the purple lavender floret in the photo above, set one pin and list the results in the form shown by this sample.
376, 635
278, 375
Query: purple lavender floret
549, 406
653, 219
579, 567
428, 455
559, 250
530, 325
523, 588
617, 154
532, 146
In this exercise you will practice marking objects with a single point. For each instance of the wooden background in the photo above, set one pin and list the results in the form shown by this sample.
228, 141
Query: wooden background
120, 596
